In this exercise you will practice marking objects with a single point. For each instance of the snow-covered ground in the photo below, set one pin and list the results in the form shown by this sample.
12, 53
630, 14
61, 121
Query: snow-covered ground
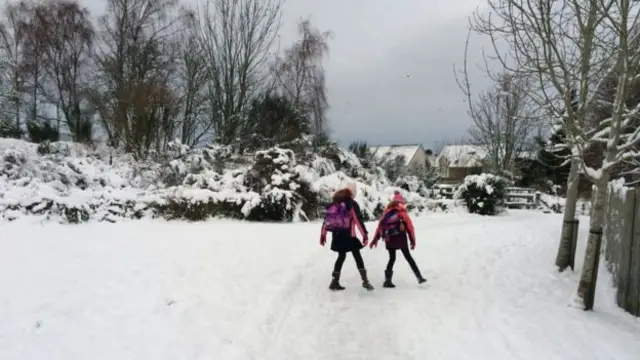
235, 290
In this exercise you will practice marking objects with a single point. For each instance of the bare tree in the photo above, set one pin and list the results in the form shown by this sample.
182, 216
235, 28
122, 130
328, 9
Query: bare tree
300, 75
503, 117
135, 63
64, 35
12, 78
237, 37
195, 111
35, 77
576, 45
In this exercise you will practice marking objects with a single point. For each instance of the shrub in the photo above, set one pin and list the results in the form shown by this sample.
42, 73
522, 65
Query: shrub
9, 129
283, 190
42, 131
176, 208
275, 205
483, 194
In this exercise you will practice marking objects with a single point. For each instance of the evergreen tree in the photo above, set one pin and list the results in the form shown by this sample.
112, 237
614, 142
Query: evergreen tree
273, 119
553, 156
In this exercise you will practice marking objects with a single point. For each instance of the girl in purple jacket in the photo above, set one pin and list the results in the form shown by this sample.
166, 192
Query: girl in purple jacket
342, 218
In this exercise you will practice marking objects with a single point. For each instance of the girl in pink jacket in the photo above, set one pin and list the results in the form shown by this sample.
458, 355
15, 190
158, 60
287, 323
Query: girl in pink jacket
396, 227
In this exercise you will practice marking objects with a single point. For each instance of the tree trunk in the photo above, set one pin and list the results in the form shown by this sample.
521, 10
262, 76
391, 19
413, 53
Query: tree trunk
18, 106
589, 276
563, 259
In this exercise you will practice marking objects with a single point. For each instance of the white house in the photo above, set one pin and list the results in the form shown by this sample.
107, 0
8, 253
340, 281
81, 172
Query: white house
414, 155
455, 162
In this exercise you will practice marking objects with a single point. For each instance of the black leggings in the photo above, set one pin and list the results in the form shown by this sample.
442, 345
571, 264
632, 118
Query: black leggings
407, 256
342, 256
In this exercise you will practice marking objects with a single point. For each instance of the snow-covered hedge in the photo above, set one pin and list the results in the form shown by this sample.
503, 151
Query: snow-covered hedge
483, 194
73, 183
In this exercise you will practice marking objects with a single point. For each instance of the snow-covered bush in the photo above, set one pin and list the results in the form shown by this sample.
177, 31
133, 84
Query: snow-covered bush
412, 183
185, 162
394, 167
283, 190
483, 194
201, 206
75, 183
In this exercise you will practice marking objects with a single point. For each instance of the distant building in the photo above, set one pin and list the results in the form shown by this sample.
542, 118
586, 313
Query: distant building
455, 162
414, 155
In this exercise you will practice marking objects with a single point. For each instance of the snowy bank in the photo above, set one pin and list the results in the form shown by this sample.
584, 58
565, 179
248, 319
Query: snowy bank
73, 183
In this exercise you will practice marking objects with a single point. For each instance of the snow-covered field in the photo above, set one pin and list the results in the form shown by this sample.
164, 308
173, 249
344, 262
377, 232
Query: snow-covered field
235, 290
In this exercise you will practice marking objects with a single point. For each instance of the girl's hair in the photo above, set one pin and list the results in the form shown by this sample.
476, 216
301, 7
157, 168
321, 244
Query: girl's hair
342, 195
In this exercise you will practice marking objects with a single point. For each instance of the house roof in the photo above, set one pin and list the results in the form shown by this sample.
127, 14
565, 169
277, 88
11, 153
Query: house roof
463, 155
472, 155
393, 151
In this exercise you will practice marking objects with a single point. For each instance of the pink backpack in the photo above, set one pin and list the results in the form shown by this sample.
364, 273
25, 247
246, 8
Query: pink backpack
336, 218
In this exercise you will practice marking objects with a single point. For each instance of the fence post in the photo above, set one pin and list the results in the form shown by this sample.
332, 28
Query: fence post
624, 256
574, 225
633, 292
591, 293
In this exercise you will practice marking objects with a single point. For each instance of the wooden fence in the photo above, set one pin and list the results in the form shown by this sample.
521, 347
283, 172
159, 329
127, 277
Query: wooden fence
522, 198
444, 191
515, 197
622, 245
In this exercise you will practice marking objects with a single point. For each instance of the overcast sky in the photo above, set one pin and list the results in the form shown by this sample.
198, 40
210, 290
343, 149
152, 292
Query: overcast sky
390, 66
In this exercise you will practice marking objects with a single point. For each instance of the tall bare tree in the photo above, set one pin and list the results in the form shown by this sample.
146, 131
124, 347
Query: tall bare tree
64, 35
135, 64
12, 77
503, 117
196, 113
300, 74
31, 64
567, 45
238, 38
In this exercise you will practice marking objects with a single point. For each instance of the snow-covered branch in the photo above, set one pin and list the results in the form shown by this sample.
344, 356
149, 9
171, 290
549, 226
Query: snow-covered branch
584, 56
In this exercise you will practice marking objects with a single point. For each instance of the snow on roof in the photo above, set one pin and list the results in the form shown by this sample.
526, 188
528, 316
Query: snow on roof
394, 151
463, 155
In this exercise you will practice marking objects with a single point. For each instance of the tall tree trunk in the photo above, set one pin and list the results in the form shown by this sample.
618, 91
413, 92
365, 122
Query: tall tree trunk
34, 108
18, 106
589, 276
58, 118
563, 259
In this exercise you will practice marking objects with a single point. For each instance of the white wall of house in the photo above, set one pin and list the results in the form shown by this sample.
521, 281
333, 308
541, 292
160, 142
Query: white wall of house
415, 155
419, 159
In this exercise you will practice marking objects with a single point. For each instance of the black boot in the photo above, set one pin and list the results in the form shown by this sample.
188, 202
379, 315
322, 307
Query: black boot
335, 282
416, 271
365, 280
387, 279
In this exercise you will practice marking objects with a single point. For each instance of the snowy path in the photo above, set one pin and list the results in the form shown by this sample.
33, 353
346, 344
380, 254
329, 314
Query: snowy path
235, 291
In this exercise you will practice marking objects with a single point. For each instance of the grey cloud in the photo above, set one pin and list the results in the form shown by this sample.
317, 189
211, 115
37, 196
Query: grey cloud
389, 70
409, 95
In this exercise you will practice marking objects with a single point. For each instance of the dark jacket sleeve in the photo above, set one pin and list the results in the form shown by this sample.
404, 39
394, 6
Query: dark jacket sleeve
356, 208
